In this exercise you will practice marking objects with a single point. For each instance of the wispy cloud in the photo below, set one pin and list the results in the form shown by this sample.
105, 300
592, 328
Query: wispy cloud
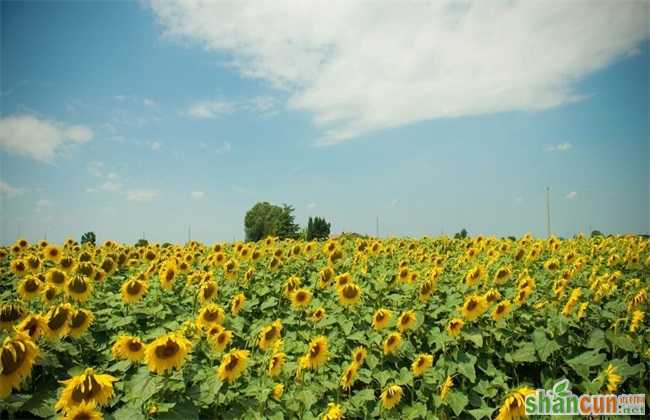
197, 195
150, 103
38, 138
311, 205
8, 191
141, 196
95, 168
213, 109
210, 109
363, 66
155, 146
571, 195
42, 204
562, 147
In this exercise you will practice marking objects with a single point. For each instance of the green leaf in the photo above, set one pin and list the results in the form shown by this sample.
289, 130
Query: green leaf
588, 358
457, 401
405, 377
525, 353
596, 340
185, 410
561, 388
128, 412
417, 410
382, 376
475, 338
621, 341
544, 346
307, 398
479, 413
465, 366
269, 303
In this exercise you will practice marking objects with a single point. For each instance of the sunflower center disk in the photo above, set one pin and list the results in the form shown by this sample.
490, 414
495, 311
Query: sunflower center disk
133, 288
11, 360
87, 390
58, 320
78, 285
134, 346
167, 350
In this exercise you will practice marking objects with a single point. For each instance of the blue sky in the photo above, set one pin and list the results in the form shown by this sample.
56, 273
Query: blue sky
124, 118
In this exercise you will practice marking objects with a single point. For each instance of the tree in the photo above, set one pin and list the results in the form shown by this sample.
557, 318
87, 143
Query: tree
88, 237
595, 233
317, 228
461, 235
265, 219
142, 242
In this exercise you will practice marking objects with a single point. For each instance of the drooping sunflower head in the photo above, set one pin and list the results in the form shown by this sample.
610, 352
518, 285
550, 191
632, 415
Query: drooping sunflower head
67, 264
391, 396
17, 356
80, 320
88, 387
421, 363
454, 326
237, 303
29, 288
128, 347
406, 321
275, 264
208, 291
34, 263
300, 298
276, 363
270, 334
56, 277
79, 288
501, 310
19, 267
49, 294
292, 284
491, 296
84, 268
317, 352
233, 365
318, 314
167, 352
167, 274
84, 411
446, 386
220, 340
381, 318
474, 275
514, 406
426, 290
392, 343
11, 314
334, 412
325, 277
33, 325
210, 315
56, 321
359, 355
343, 279
349, 376
350, 294
473, 307
133, 290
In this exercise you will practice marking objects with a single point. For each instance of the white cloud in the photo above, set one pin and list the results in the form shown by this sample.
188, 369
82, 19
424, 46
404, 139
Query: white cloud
110, 186
141, 195
311, 205
519, 199
8, 191
363, 66
224, 148
562, 147
571, 195
210, 109
39, 139
42, 204
91, 190
197, 195
95, 168
150, 102
155, 146
394, 203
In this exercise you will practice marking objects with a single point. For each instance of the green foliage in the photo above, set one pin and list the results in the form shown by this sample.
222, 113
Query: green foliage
461, 235
142, 242
265, 219
317, 228
88, 237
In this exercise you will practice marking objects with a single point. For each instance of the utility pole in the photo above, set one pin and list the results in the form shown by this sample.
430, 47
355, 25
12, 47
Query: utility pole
548, 213
377, 231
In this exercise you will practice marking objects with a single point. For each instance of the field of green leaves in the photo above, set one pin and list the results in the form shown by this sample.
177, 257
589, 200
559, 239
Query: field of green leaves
348, 328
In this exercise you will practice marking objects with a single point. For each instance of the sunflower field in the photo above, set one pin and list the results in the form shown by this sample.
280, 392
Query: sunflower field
347, 328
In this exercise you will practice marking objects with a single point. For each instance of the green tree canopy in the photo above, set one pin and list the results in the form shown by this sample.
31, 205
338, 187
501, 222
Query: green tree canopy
265, 219
88, 237
317, 228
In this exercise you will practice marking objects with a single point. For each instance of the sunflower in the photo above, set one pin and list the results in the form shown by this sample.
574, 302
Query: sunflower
612, 378
233, 365
270, 335
127, 347
34, 263
79, 322
67, 264
406, 321
350, 294
501, 310
56, 321
237, 303
300, 298
454, 326
492, 296
56, 277
52, 253
88, 387
421, 364
276, 363
84, 411
522, 295
33, 325
48, 294
318, 314
446, 386
230, 269
278, 390
29, 287
473, 307
474, 275
343, 279
391, 396
208, 291
19, 267
349, 376
514, 406
403, 275
502, 275
381, 318
11, 314
637, 318
275, 264
317, 353
166, 352
16, 360
582, 310
552, 264
133, 290
392, 343
79, 288
359, 355
325, 277
221, 340
210, 315
426, 290
334, 412
292, 284
167, 275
